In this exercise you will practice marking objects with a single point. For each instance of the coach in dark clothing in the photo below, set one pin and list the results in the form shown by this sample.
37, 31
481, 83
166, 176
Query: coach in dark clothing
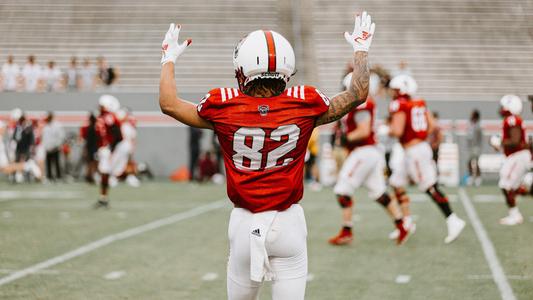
24, 137
195, 135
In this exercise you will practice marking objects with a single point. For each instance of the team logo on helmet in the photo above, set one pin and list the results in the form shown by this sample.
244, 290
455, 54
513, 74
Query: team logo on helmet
263, 110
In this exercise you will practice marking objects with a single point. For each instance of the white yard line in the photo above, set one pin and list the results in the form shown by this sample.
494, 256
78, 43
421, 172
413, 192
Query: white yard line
113, 238
37, 195
498, 275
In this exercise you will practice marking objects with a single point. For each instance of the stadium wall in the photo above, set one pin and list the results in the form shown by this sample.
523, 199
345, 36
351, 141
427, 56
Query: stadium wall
163, 142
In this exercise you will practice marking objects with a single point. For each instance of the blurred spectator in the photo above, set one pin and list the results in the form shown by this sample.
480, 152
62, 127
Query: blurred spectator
52, 77
87, 76
207, 167
311, 168
474, 142
24, 139
72, 75
435, 137
31, 75
91, 139
52, 139
195, 135
218, 154
10, 75
108, 75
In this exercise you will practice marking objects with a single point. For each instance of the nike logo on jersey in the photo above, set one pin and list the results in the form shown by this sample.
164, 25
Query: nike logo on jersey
256, 232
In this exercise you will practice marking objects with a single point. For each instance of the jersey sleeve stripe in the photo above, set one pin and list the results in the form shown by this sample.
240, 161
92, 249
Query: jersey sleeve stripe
295, 92
223, 94
302, 92
230, 93
235, 92
289, 92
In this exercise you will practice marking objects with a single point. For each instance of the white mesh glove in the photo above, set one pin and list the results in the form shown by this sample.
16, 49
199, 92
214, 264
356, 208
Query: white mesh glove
495, 141
362, 34
171, 50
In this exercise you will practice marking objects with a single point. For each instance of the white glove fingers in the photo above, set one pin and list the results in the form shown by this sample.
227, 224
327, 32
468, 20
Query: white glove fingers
364, 19
372, 29
368, 21
348, 37
357, 24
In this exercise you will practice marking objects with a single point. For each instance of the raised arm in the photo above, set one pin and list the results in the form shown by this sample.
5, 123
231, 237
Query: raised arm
360, 39
172, 105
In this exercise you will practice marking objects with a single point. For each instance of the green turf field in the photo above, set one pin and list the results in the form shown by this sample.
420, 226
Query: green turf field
182, 255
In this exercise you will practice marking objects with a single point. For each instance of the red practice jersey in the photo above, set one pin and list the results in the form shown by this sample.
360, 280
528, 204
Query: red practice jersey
263, 141
511, 122
416, 120
350, 124
108, 128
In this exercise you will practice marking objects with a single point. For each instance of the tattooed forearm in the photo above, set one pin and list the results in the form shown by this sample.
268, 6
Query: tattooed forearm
343, 102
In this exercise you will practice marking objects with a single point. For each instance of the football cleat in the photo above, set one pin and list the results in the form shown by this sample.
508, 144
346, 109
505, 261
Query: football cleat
101, 204
455, 227
31, 166
344, 237
408, 224
514, 218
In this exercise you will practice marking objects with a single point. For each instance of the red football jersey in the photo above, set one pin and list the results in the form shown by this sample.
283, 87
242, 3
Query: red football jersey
416, 121
350, 124
104, 127
263, 141
508, 123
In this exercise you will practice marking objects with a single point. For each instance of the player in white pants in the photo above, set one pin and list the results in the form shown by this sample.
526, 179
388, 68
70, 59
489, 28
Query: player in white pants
518, 156
365, 165
410, 123
285, 260
10, 168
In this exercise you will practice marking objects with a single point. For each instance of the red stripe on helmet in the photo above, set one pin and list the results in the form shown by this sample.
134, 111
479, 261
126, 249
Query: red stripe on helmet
271, 51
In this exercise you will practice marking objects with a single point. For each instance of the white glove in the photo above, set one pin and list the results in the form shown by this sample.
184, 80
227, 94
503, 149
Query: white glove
362, 34
495, 141
383, 130
171, 50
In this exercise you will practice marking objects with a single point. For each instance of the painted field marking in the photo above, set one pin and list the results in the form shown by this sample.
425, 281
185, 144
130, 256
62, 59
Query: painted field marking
113, 238
402, 279
310, 277
64, 215
489, 277
7, 214
122, 215
495, 266
14, 195
210, 276
42, 272
114, 275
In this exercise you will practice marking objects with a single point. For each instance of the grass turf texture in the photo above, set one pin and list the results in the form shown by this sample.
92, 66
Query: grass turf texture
170, 262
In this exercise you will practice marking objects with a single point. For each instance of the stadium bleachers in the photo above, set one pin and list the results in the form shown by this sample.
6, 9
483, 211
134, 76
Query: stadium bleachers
461, 50
457, 50
129, 35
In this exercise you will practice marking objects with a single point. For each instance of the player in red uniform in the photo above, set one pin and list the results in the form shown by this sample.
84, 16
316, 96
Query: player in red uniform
263, 129
517, 155
364, 166
410, 123
108, 128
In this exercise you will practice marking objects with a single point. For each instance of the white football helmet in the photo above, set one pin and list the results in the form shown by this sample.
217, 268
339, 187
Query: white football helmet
511, 104
109, 103
405, 83
263, 54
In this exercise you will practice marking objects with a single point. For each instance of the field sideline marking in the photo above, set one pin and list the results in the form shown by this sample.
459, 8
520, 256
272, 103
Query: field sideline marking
113, 238
496, 269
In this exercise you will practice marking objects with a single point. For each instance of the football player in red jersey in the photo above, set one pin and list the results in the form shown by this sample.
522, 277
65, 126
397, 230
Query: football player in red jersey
264, 129
108, 128
410, 123
517, 155
364, 166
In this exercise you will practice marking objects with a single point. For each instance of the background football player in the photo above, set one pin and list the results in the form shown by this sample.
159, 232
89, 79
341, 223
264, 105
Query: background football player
410, 123
109, 130
364, 166
263, 129
517, 155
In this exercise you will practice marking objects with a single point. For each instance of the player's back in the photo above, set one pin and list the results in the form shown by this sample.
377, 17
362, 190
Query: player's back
264, 142
509, 122
416, 120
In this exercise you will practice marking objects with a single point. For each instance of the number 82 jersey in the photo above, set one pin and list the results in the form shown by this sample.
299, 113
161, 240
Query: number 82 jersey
263, 141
